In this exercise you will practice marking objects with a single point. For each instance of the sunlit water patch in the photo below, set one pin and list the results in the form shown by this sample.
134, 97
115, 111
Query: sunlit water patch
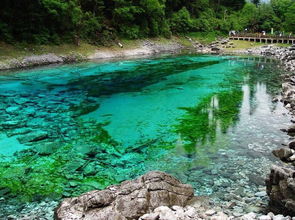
208, 120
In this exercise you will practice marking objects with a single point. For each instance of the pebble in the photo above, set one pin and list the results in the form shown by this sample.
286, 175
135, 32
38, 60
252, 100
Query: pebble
210, 212
265, 217
279, 217
260, 194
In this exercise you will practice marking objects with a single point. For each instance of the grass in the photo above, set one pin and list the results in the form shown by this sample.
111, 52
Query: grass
130, 44
204, 38
241, 45
283, 45
184, 41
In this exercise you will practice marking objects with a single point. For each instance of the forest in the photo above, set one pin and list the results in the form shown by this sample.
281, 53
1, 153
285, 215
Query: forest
101, 21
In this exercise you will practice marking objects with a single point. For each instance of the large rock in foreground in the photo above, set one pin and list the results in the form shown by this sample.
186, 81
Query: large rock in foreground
281, 190
127, 201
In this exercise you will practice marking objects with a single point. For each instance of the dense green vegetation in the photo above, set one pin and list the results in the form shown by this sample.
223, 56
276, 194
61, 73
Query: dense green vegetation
102, 21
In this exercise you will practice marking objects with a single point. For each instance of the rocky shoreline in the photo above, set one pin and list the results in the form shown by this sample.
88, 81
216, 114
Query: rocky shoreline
146, 48
40, 60
153, 196
280, 183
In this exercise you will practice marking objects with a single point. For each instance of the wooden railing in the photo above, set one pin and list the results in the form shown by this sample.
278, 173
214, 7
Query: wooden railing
260, 35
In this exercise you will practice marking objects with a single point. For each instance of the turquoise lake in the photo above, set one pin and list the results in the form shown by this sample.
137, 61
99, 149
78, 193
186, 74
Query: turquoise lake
208, 120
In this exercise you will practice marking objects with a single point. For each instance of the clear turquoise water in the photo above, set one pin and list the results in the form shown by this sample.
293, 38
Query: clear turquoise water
208, 120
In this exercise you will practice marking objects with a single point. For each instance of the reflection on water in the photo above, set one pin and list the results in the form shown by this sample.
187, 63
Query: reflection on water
214, 115
208, 120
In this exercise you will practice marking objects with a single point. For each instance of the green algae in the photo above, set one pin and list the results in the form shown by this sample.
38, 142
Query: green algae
199, 124
49, 176
30, 180
31, 176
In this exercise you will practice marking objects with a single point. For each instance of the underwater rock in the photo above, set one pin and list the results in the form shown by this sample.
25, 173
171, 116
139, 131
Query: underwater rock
129, 200
29, 111
11, 124
18, 131
91, 169
281, 190
12, 109
46, 148
33, 136
21, 101
75, 164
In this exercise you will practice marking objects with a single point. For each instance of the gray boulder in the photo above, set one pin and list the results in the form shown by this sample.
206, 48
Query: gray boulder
280, 187
292, 145
127, 201
283, 153
41, 60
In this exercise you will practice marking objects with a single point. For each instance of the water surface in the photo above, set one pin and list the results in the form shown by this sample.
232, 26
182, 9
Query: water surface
208, 120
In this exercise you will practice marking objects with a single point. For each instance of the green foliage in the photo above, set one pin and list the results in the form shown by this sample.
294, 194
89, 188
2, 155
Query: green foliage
290, 18
280, 7
255, 2
102, 21
248, 16
207, 22
181, 21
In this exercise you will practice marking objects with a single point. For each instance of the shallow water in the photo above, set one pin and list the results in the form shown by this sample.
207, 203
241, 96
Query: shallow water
208, 120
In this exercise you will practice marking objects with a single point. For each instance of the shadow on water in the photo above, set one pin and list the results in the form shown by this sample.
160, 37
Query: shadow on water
135, 79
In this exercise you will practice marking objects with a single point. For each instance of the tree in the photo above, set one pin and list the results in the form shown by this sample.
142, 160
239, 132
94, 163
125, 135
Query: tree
267, 19
181, 21
255, 2
280, 7
154, 15
290, 18
248, 17
101, 21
